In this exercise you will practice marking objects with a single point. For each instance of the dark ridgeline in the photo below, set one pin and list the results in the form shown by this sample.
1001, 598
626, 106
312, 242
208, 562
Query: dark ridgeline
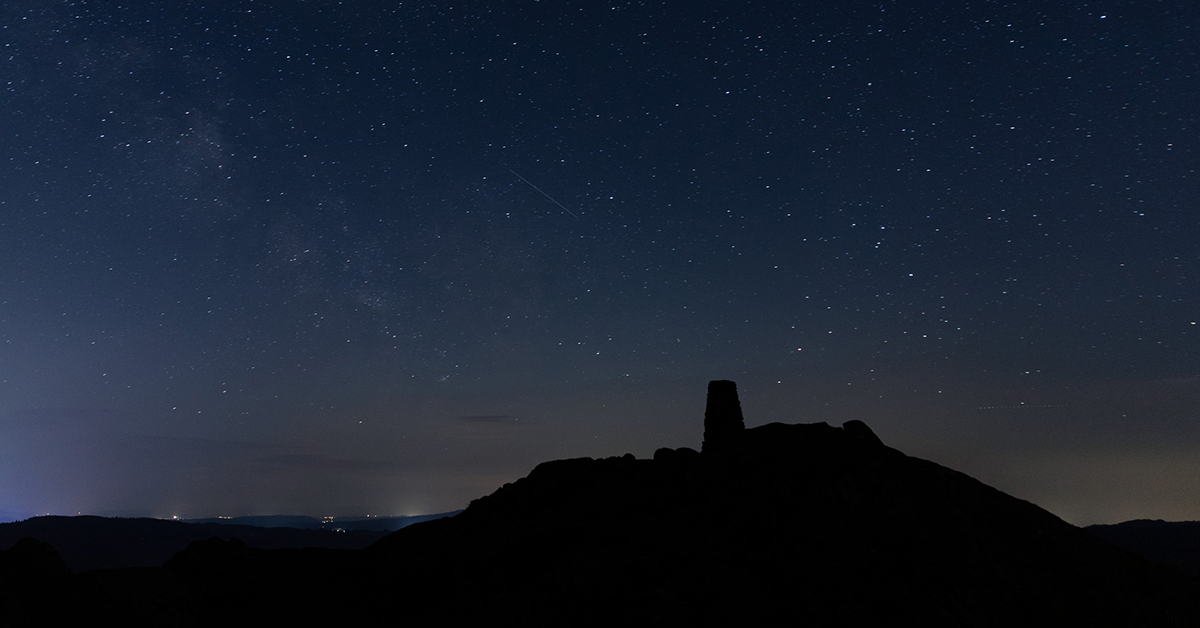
33, 581
1170, 542
775, 525
86, 543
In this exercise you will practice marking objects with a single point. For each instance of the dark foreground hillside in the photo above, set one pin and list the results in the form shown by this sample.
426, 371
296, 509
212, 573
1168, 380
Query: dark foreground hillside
776, 525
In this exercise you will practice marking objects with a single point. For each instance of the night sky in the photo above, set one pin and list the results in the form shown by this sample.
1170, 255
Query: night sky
335, 258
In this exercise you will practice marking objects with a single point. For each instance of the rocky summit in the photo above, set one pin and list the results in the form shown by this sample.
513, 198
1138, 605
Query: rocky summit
781, 525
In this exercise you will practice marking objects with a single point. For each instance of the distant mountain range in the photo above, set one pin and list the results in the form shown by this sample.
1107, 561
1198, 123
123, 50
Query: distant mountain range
336, 524
1174, 543
776, 525
85, 543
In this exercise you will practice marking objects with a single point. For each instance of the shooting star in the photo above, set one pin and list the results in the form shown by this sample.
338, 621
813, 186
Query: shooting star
543, 193
1022, 406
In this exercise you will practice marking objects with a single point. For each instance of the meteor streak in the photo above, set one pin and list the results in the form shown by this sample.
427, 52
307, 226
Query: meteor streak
543, 193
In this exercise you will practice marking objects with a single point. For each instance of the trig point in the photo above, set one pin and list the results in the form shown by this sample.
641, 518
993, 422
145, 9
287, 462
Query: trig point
723, 421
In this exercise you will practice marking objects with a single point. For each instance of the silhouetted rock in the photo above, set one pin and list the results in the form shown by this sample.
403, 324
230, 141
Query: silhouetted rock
723, 421
789, 525
683, 455
859, 431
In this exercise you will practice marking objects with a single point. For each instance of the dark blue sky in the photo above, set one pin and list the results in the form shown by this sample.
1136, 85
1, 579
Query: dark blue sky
330, 258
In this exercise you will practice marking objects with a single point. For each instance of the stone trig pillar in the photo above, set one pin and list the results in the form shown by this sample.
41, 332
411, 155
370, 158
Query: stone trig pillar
723, 420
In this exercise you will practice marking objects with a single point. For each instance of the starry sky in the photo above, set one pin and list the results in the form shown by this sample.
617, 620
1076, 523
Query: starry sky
336, 258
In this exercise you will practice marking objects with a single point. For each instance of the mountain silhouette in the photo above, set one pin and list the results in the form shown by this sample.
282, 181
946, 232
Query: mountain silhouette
86, 543
782, 524
789, 524
1169, 542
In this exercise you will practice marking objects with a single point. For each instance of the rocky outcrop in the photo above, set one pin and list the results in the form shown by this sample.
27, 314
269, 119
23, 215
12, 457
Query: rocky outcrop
782, 524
